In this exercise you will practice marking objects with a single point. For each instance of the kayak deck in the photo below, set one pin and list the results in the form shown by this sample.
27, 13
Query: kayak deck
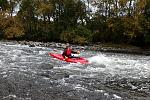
72, 60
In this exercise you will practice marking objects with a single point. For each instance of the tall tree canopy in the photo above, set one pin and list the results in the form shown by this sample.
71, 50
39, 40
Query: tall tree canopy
116, 21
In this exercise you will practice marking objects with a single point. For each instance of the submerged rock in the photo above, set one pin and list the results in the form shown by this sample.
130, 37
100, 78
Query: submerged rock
45, 66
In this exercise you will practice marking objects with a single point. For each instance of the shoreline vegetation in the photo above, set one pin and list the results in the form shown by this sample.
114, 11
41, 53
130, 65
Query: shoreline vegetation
102, 47
119, 22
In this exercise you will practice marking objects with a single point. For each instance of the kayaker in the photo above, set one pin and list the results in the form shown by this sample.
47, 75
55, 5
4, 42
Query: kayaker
67, 53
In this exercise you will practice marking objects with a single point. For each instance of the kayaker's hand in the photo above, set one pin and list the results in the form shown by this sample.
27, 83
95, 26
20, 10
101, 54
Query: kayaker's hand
78, 52
65, 58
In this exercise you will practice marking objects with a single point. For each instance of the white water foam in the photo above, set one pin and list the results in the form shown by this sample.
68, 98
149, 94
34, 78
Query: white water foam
119, 65
99, 59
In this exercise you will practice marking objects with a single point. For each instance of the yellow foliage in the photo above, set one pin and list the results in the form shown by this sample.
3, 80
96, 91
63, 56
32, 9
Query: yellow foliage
123, 2
12, 32
80, 40
12, 27
44, 8
67, 36
73, 38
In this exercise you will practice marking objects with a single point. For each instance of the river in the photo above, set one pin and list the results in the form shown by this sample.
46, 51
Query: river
29, 73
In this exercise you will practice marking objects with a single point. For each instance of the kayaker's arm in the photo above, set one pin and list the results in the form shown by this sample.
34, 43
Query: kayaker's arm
75, 52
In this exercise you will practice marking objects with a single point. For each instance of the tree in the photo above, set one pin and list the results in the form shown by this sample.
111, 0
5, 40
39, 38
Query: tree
13, 28
3, 5
27, 15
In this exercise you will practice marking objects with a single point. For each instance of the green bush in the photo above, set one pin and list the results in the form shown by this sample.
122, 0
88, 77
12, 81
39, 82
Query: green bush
82, 31
147, 39
80, 35
67, 36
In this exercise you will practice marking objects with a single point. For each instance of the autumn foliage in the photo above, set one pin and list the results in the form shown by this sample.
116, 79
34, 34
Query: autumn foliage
115, 21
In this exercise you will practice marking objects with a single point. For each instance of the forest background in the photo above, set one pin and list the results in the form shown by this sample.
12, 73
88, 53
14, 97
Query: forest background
73, 21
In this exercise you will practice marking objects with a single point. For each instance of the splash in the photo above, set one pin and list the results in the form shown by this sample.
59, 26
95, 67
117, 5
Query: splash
99, 59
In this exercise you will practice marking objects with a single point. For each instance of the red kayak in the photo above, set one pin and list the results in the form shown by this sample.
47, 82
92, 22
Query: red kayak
72, 60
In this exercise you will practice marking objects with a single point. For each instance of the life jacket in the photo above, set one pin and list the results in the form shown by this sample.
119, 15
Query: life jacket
67, 52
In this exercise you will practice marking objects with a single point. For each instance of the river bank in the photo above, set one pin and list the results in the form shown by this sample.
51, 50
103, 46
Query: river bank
102, 47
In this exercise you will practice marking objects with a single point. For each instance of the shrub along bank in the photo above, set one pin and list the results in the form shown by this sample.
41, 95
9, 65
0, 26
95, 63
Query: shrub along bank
72, 21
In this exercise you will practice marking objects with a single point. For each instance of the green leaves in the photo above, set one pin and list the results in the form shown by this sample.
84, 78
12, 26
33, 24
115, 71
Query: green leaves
44, 7
71, 20
79, 35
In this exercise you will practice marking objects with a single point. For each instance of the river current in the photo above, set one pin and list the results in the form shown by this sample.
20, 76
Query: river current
29, 73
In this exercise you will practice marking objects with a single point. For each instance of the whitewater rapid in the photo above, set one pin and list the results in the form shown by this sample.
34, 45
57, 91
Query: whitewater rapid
122, 65
128, 66
110, 76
